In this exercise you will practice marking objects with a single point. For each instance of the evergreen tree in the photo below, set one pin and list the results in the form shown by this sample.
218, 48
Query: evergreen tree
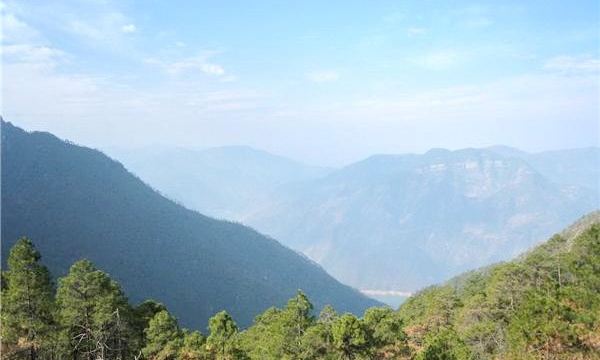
265, 338
444, 345
163, 337
317, 342
349, 337
26, 301
142, 315
278, 333
386, 334
296, 318
222, 341
94, 314
193, 346
327, 315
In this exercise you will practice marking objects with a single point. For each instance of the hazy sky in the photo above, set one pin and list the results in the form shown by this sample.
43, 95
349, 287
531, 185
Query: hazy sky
326, 82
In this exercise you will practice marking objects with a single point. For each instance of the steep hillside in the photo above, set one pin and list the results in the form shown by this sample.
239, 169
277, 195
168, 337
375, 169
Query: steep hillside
543, 305
74, 202
400, 222
226, 182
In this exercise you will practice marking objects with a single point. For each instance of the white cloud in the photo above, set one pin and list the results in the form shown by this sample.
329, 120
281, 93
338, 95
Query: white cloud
31, 54
478, 22
386, 293
199, 63
394, 17
474, 17
228, 78
98, 26
129, 28
106, 27
90, 107
531, 98
211, 69
15, 30
21, 43
323, 76
84, 29
439, 60
415, 31
573, 64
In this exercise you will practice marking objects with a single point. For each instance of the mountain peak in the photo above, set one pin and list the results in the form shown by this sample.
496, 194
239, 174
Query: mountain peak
437, 152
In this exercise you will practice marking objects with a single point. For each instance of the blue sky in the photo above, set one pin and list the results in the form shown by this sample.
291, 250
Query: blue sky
326, 82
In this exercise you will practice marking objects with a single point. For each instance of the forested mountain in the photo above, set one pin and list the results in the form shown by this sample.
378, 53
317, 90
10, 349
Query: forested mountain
426, 217
543, 305
226, 182
75, 202
423, 218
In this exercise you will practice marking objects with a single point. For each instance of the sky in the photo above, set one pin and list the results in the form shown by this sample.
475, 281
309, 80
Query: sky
324, 82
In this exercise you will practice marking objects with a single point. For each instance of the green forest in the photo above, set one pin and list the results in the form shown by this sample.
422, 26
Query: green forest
543, 305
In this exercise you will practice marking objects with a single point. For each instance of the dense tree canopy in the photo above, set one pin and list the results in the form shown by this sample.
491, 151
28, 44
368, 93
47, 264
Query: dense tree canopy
544, 305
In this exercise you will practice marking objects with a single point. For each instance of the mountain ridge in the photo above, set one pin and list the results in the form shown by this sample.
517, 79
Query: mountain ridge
75, 202
384, 201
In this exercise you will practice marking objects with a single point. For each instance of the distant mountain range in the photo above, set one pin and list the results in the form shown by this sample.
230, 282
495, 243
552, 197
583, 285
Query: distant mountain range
75, 202
225, 182
390, 223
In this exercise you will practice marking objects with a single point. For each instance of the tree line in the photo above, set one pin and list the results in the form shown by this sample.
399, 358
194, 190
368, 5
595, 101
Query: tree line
87, 316
544, 305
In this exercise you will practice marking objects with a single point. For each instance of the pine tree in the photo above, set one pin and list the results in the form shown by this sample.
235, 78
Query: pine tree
193, 346
295, 320
385, 330
349, 337
222, 341
317, 341
444, 345
142, 314
163, 337
26, 301
94, 314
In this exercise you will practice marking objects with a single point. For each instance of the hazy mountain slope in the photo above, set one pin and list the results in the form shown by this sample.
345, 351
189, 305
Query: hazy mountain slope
426, 217
74, 202
225, 182
399, 222
579, 167
575, 166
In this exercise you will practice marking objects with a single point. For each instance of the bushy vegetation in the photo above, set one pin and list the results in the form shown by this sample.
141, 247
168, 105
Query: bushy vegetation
89, 317
544, 305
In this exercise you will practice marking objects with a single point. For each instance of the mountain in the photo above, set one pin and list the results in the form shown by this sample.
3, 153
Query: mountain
425, 216
542, 305
400, 222
75, 202
225, 182
579, 167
